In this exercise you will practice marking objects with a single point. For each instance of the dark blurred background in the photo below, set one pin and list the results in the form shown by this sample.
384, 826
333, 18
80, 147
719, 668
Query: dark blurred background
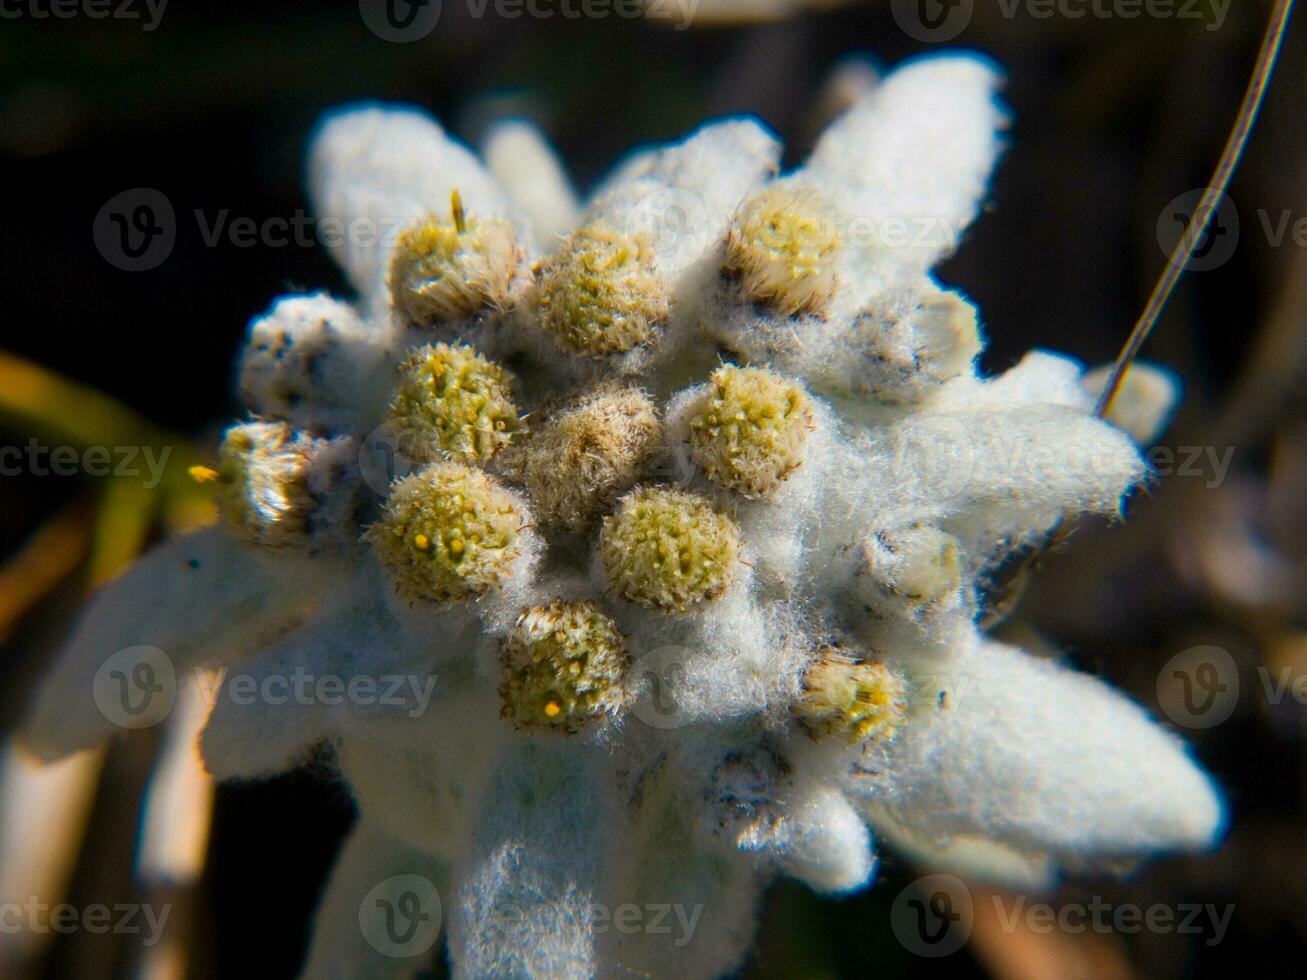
1114, 118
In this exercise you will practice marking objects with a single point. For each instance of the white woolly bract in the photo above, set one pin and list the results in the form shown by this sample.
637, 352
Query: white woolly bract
525, 165
1048, 763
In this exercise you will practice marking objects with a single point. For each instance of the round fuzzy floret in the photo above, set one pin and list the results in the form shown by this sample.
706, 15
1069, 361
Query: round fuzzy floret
910, 341
448, 532
449, 271
917, 565
263, 480
601, 293
587, 455
669, 549
848, 697
750, 431
454, 403
782, 246
563, 667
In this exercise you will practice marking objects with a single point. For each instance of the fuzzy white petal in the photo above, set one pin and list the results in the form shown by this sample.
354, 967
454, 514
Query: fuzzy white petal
819, 839
199, 598
912, 158
993, 476
530, 172
262, 723
1046, 761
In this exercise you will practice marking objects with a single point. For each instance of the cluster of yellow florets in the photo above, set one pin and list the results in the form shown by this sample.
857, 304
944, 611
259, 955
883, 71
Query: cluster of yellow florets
451, 270
749, 432
448, 532
452, 403
263, 473
669, 549
563, 667
588, 454
848, 697
601, 294
782, 247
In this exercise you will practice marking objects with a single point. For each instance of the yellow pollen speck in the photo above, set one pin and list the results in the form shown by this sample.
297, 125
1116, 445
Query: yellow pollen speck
203, 474
553, 709
421, 542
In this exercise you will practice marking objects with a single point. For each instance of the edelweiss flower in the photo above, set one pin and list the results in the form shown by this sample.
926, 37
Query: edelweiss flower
688, 515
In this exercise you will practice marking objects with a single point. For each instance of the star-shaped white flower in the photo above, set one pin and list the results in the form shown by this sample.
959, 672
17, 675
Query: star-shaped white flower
677, 578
